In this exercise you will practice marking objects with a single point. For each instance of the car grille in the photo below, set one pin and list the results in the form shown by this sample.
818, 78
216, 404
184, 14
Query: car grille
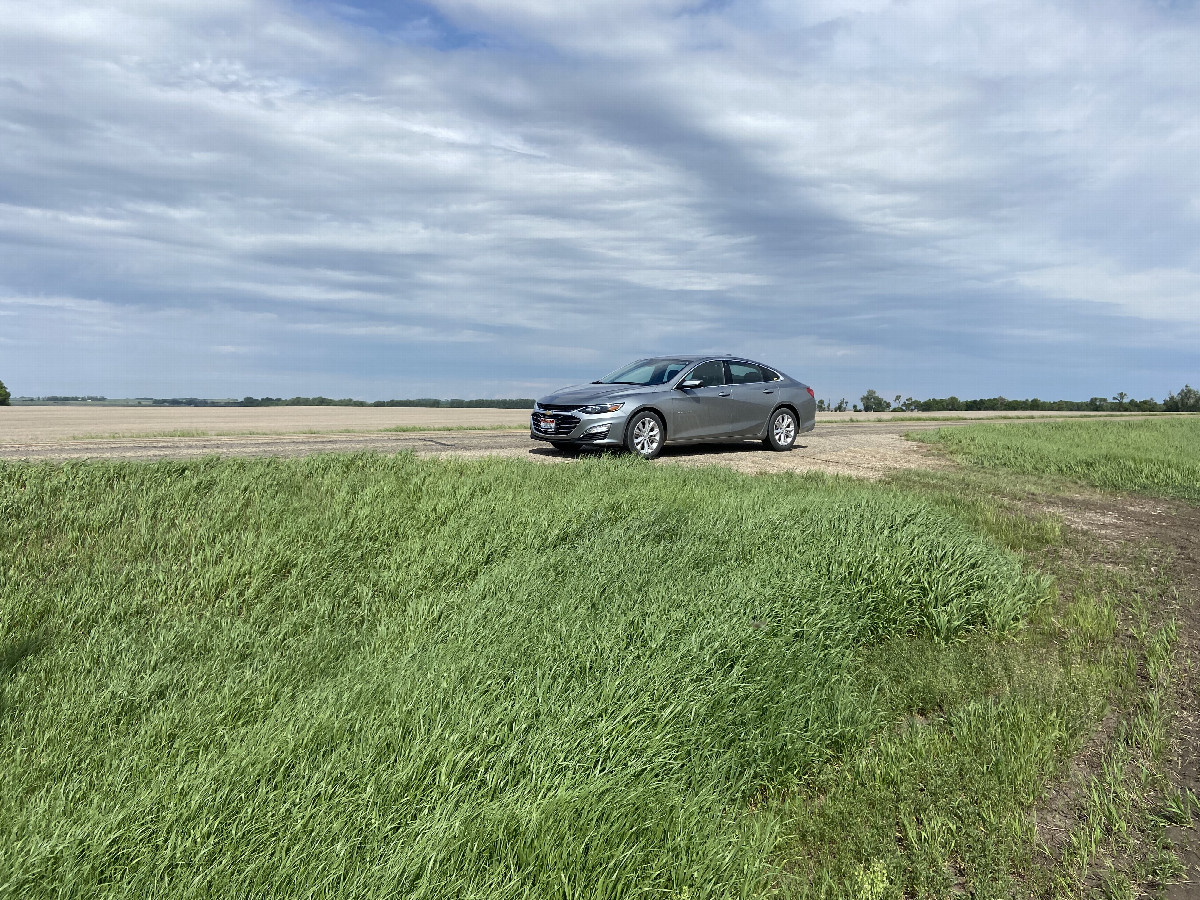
556, 407
560, 424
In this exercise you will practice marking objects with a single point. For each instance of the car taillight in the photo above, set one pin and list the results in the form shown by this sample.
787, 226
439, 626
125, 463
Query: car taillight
811, 393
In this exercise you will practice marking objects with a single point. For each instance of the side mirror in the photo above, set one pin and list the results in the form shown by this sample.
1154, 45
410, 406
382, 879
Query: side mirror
691, 383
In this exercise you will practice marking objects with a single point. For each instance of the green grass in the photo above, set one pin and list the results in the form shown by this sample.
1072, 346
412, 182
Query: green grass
385, 676
1158, 456
893, 416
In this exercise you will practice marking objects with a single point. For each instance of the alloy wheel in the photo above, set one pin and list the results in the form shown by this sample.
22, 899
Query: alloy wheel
647, 435
783, 430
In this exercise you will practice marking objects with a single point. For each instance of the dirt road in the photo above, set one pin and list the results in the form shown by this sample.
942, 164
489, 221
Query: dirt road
867, 449
870, 445
33, 424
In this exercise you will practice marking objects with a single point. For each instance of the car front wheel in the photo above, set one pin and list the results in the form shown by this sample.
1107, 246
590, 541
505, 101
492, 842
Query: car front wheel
645, 435
781, 432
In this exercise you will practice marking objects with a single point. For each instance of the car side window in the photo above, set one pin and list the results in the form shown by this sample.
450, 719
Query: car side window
745, 373
670, 372
769, 375
709, 374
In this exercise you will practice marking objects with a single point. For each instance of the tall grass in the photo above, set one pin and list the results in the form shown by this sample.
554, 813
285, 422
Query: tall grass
1156, 456
390, 677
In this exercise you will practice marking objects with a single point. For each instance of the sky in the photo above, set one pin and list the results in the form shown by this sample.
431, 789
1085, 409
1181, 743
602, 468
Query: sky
494, 198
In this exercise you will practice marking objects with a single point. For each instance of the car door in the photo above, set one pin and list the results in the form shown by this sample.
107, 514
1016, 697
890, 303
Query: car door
702, 412
752, 397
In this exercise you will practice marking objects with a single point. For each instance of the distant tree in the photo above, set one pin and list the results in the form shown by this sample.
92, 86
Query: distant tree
841, 407
4, 394
856, 407
1120, 397
872, 402
1187, 400
896, 404
820, 406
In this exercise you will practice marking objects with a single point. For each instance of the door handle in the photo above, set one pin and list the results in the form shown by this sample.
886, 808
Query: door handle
723, 393
768, 390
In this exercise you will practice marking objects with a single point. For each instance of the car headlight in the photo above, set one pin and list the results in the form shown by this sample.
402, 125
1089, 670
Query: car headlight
601, 408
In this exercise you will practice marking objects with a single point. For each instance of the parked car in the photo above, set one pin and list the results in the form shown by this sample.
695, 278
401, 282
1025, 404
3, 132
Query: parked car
677, 399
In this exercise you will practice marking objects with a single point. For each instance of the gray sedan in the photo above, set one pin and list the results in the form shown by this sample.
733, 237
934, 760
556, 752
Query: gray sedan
677, 399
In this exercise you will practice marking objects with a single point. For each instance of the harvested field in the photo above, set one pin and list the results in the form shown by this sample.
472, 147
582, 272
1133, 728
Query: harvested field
31, 424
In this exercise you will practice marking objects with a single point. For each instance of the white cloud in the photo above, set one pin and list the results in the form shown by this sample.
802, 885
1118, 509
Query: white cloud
65, 304
627, 176
1168, 294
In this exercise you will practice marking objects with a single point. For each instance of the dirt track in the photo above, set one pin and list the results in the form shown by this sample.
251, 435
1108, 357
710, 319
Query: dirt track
867, 450
20, 424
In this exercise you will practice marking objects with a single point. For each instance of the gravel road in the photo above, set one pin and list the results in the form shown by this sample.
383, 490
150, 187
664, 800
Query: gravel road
866, 449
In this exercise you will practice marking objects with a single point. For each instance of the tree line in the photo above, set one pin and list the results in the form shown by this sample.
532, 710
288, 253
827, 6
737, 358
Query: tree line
1186, 400
430, 402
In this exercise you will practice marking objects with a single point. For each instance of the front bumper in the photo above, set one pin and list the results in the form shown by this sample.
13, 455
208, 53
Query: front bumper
574, 427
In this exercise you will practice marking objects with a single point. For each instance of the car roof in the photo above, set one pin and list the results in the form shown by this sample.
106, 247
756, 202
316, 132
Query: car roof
696, 357
689, 357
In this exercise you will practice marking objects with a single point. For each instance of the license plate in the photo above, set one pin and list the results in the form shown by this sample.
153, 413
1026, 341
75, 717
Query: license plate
546, 424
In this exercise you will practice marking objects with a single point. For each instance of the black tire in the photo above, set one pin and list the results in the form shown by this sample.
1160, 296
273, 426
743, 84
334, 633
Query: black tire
782, 430
565, 447
645, 435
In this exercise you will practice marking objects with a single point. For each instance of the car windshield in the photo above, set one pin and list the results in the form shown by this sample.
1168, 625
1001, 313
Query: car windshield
646, 371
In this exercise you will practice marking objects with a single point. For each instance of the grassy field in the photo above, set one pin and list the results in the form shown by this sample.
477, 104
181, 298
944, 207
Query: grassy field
1160, 457
365, 676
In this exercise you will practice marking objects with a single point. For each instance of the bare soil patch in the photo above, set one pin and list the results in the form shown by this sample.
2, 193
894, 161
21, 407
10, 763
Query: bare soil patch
869, 454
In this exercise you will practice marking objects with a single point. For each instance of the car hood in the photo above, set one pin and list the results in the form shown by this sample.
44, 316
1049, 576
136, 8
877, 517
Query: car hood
584, 394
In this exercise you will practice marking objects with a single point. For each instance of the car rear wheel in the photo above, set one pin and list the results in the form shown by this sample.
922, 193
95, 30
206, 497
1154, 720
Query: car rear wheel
645, 435
781, 432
